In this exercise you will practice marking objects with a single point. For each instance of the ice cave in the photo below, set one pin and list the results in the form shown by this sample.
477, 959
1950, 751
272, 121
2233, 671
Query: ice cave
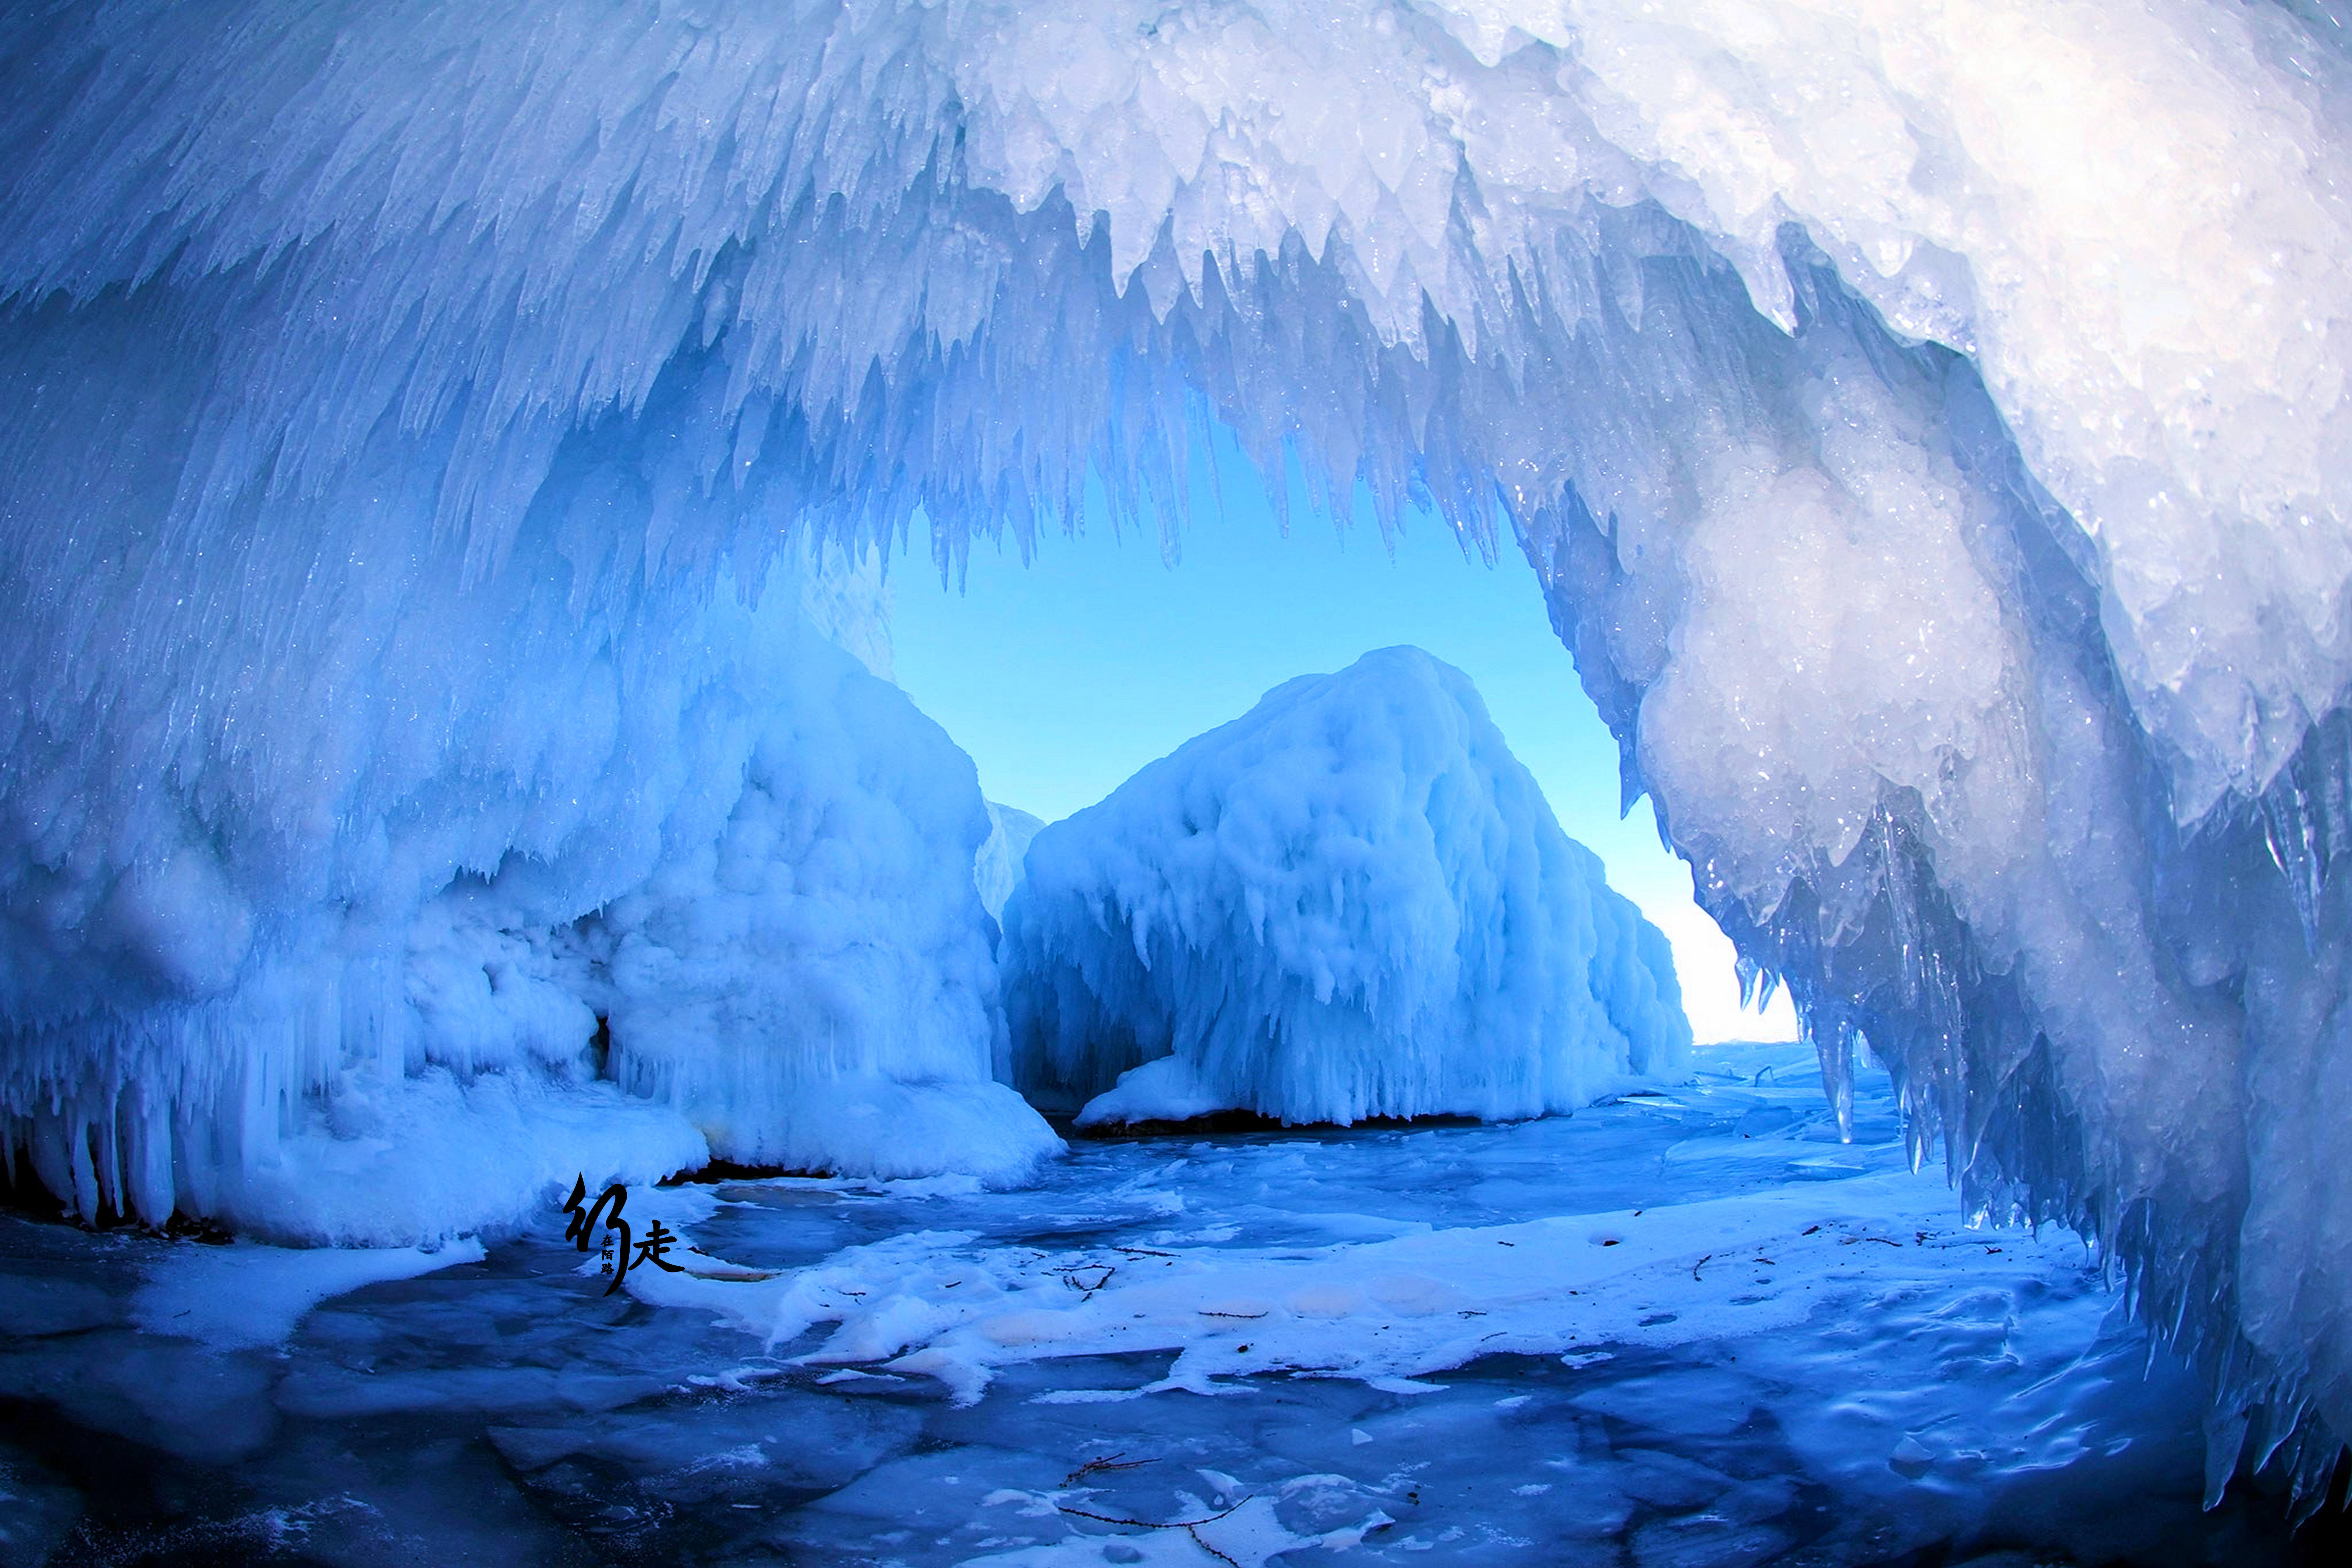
454, 465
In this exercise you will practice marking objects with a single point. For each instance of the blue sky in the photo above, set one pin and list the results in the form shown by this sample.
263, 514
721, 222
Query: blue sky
1064, 676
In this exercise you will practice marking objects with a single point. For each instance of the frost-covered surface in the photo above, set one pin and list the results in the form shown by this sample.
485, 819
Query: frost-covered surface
998, 867
1363, 1344
1929, 420
1352, 901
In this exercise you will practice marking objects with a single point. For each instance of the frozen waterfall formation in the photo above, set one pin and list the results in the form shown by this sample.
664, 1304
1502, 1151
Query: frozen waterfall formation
997, 870
1928, 422
1351, 902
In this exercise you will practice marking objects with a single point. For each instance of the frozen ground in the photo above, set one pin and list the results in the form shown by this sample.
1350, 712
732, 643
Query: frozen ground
1684, 1327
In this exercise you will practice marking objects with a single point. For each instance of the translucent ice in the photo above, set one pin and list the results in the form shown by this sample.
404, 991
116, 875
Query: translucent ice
1929, 423
998, 868
1352, 901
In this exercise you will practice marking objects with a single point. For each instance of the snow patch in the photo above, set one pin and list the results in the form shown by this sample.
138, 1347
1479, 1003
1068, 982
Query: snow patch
245, 1294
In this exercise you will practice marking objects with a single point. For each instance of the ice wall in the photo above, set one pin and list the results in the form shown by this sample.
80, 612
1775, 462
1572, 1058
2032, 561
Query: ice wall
1928, 421
1352, 901
998, 868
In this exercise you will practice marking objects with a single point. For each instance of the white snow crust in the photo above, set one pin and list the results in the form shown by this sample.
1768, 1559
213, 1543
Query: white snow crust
935, 1303
1929, 422
1352, 902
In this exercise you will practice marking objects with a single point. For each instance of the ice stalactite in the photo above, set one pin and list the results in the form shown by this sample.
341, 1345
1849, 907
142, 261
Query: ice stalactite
1928, 423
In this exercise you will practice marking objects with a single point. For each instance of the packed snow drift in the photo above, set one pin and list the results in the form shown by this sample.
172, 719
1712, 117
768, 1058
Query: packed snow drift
1353, 901
1929, 423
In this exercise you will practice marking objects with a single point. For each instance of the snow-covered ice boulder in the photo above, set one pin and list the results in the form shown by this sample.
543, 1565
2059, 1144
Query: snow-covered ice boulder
814, 984
1352, 902
797, 972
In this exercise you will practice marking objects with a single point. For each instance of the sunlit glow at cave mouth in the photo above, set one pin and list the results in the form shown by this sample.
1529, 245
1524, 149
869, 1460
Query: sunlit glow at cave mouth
1065, 667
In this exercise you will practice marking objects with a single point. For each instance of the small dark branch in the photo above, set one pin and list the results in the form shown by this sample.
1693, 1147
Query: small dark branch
1248, 1317
1156, 1525
1085, 1292
1145, 1252
1096, 1466
1207, 1548
1882, 1241
1701, 1264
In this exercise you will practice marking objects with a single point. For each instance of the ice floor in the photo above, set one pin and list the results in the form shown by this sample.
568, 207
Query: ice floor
1690, 1328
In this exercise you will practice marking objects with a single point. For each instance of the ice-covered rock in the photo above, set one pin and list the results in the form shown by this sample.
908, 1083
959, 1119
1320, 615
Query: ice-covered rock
701, 903
1352, 902
1928, 422
814, 984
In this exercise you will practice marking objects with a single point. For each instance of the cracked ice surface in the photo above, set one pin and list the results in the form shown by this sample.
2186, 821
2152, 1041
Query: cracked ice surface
1440, 1344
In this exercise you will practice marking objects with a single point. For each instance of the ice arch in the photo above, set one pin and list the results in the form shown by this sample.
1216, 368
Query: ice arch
1928, 422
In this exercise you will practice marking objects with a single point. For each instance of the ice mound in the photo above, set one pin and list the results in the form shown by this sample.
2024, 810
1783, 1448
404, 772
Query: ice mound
1352, 901
815, 987
1929, 424
730, 935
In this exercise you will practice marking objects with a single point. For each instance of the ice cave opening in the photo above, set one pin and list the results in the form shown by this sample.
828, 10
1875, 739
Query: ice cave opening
444, 450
